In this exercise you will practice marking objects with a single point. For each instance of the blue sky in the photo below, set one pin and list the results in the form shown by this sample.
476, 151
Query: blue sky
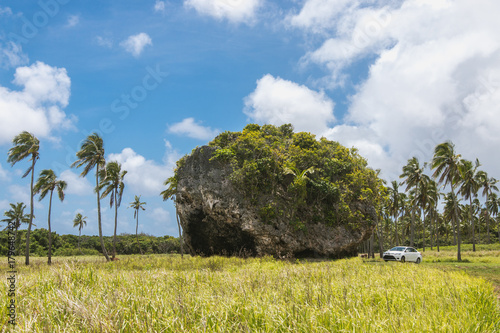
158, 78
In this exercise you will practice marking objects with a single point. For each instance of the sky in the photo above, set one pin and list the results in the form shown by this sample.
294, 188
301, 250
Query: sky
156, 79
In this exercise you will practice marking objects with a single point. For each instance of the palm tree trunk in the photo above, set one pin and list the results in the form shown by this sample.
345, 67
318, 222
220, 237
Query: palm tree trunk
488, 228
104, 252
412, 226
80, 240
396, 236
136, 229
27, 262
180, 231
49, 256
423, 230
473, 227
116, 223
455, 217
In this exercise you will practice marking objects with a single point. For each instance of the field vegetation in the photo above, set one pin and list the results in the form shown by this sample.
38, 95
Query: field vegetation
167, 293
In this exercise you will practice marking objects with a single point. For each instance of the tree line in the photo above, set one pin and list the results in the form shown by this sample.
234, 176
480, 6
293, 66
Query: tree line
109, 182
443, 208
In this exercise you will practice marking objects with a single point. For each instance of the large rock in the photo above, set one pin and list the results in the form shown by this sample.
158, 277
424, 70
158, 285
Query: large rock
217, 219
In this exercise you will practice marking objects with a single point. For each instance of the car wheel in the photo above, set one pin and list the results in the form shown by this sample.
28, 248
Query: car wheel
418, 261
386, 260
402, 259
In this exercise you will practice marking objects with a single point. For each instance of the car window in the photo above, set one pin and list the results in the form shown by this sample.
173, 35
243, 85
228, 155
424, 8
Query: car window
397, 248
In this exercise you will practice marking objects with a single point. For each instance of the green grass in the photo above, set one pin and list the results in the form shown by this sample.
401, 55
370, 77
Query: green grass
168, 294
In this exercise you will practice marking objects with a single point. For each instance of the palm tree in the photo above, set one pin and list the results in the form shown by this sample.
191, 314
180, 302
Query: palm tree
492, 207
488, 185
112, 183
26, 145
91, 154
15, 216
469, 188
170, 193
446, 165
433, 196
413, 174
47, 182
137, 205
394, 207
79, 222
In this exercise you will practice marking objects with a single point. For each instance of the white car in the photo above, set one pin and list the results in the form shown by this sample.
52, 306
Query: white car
403, 253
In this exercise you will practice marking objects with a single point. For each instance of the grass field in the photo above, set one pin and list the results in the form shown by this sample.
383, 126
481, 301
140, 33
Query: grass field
168, 294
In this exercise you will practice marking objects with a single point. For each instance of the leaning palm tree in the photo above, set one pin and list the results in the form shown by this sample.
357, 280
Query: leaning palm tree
26, 145
137, 205
446, 165
413, 174
469, 189
15, 216
79, 222
112, 183
91, 155
169, 193
47, 182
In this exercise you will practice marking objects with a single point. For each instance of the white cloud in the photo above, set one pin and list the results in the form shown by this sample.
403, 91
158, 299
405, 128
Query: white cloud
434, 75
135, 44
160, 215
104, 42
4, 176
233, 10
277, 101
11, 55
76, 184
38, 107
145, 177
73, 21
190, 128
159, 6
20, 193
6, 10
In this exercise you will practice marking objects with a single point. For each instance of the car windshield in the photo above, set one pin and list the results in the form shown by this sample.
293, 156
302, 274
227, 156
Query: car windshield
398, 248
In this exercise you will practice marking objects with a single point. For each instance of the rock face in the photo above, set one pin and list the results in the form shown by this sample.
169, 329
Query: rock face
217, 219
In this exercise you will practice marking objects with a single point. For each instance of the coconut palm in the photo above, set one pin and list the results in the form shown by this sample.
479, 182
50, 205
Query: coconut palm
469, 188
15, 216
91, 155
137, 205
446, 164
112, 183
26, 145
492, 207
169, 193
79, 222
488, 185
433, 196
47, 182
414, 178
395, 207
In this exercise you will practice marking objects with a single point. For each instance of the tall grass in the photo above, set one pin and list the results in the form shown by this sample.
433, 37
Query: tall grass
170, 294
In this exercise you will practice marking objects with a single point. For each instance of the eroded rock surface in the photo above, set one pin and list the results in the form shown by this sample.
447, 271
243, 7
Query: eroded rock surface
217, 219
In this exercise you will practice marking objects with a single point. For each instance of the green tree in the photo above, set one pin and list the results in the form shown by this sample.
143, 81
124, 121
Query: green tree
488, 184
15, 215
469, 188
91, 155
79, 221
169, 193
112, 184
414, 178
47, 182
137, 205
445, 164
395, 207
26, 145
492, 206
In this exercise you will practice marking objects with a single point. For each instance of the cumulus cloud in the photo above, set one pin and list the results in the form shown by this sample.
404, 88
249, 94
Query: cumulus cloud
232, 10
37, 108
277, 101
433, 75
135, 44
11, 55
190, 128
3, 174
145, 177
76, 184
